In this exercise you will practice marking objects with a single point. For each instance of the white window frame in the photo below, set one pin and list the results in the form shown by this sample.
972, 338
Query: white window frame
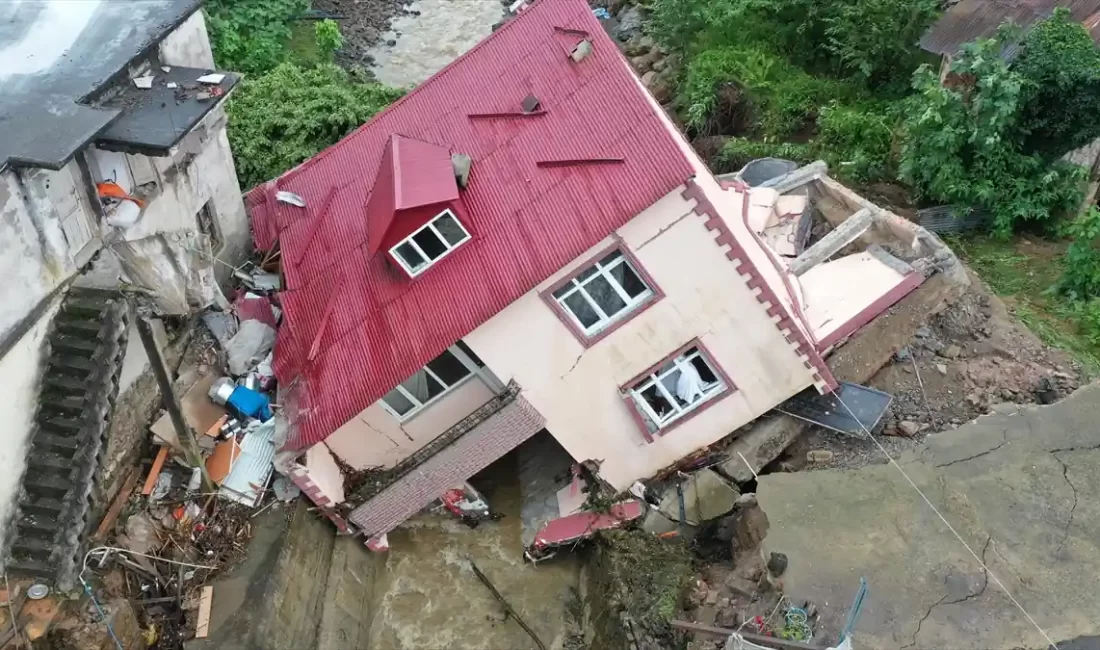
654, 379
429, 226
418, 406
578, 286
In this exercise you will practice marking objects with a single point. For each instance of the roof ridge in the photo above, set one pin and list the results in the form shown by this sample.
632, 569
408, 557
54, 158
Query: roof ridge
306, 164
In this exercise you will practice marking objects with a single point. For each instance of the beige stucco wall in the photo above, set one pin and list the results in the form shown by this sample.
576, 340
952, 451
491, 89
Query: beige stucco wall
578, 390
375, 437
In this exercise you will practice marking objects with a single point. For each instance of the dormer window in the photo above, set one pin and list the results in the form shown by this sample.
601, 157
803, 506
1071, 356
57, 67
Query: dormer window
430, 243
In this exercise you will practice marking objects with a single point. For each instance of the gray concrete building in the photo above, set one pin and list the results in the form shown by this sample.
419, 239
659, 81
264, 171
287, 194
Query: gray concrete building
115, 170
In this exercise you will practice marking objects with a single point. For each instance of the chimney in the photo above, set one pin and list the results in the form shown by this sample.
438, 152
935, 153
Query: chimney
461, 164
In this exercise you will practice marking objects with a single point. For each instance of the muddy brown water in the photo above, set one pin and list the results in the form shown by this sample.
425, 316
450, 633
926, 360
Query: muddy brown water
424, 43
428, 597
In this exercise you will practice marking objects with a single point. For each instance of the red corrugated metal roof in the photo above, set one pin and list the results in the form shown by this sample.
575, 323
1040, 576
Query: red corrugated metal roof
527, 221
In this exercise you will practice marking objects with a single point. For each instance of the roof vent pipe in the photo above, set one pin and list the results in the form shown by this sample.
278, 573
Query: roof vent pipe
581, 51
461, 164
530, 104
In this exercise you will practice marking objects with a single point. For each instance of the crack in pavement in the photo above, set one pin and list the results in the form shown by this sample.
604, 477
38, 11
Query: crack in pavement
979, 455
985, 584
1073, 509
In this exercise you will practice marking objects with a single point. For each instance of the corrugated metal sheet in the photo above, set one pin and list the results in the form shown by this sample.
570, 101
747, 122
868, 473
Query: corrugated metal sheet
972, 19
527, 221
953, 218
250, 472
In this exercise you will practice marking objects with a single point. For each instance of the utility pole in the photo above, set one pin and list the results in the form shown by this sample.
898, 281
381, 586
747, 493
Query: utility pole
171, 402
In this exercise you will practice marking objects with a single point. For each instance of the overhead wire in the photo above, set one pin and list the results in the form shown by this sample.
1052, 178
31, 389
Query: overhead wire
951, 528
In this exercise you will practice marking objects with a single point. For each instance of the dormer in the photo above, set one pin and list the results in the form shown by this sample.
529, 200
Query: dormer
413, 214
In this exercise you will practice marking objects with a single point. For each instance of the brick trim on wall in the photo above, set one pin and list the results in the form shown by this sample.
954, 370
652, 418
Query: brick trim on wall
299, 475
765, 295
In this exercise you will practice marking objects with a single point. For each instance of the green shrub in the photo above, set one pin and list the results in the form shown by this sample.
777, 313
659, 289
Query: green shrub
857, 140
1081, 264
962, 143
784, 99
875, 40
329, 38
738, 152
279, 119
1060, 66
250, 36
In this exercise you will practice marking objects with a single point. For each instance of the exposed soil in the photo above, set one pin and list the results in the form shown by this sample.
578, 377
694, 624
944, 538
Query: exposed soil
364, 21
968, 358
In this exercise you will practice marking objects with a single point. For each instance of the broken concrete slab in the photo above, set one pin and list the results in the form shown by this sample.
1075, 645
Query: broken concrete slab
1021, 486
706, 496
832, 243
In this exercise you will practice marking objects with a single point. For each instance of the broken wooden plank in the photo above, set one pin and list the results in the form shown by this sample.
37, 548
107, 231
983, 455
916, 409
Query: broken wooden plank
158, 465
202, 628
507, 607
760, 639
116, 506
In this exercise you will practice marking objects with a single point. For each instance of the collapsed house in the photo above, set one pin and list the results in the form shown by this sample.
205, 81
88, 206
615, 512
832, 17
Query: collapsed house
115, 170
524, 254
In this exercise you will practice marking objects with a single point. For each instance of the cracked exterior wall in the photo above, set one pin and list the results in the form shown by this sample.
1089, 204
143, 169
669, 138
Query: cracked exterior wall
577, 389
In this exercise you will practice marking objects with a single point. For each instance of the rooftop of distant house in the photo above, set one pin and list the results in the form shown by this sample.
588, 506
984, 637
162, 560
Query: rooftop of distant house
973, 19
56, 55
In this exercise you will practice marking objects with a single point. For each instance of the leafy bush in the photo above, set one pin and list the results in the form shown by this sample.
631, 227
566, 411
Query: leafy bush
1081, 273
1060, 67
250, 35
783, 98
279, 119
857, 140
962, 143
739, 152
329, 38
875, 40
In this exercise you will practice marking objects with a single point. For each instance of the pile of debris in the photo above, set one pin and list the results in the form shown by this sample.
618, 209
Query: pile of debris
186, 514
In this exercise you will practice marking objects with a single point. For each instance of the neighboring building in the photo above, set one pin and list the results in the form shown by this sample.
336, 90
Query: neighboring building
526, 243
970, 20
102, 181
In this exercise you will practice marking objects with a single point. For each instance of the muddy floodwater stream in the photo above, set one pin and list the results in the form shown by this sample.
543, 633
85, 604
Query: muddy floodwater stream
424, 43
428, 597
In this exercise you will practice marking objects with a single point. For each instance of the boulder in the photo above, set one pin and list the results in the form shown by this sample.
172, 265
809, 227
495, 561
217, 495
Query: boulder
706, 496
630, 23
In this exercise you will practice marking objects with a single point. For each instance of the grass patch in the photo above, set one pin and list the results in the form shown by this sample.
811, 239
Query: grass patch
303, 44
1022, 271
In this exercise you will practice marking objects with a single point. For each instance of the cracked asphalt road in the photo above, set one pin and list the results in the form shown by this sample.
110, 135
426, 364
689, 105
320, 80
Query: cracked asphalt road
1021, 486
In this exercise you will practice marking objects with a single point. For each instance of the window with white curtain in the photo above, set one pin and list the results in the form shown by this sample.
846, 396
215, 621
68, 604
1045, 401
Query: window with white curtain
679, 386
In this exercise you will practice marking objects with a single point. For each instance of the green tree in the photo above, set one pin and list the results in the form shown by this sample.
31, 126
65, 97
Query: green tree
279, 119
876, 40
250, 36
1060, 66
962, 142
329, 38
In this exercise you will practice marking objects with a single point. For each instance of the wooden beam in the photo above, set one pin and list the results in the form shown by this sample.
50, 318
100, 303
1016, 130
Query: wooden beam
508, 608
116, 506
202, 628
154, 471
171, 403
722, 632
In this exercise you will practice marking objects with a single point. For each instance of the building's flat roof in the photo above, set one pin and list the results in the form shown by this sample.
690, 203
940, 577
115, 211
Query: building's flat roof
155, 119
54, 54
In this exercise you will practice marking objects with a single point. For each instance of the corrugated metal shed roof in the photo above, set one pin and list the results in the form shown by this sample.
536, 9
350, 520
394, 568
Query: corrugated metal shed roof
369, 327
972, 19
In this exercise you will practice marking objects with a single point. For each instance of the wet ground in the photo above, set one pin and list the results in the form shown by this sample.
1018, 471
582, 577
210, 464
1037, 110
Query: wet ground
430, 598
429, 35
